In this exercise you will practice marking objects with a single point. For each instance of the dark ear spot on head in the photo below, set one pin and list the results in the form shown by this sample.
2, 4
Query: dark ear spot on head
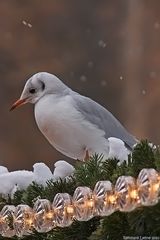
43, 85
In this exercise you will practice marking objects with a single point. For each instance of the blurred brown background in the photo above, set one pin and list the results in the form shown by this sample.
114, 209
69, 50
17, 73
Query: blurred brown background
108, 50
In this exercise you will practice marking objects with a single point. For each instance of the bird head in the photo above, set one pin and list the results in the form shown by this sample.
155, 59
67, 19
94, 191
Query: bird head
39, 85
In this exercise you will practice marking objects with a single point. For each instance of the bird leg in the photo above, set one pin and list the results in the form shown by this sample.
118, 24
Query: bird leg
87, 156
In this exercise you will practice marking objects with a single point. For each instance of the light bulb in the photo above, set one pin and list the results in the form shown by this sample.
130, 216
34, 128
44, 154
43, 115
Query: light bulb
125, 190
23, 220
70, 209
62, 205
83, 204
7, 216
148, 186
90, 203
43, 217
104, 199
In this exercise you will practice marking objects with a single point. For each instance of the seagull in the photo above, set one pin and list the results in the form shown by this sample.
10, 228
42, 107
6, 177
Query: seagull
74, 124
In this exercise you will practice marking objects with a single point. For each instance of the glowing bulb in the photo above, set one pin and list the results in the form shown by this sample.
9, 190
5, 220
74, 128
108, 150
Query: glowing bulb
155, 187
2, 219
90, 203
29, 221
70, 209
49, 215
112, 199
134, 194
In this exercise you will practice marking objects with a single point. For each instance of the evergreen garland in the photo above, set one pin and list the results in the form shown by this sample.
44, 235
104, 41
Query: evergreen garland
144, 221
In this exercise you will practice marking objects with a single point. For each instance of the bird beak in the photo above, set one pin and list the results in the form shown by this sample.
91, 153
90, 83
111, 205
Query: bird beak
18, 103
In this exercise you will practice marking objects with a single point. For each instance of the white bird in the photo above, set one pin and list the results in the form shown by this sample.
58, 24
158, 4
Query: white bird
74, 124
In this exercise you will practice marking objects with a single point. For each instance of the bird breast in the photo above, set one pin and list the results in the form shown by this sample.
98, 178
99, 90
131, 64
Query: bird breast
66, 128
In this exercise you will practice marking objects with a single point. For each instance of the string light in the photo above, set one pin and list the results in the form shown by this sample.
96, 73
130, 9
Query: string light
125, 188
148, 187
43, 222
23, 220
127, 194
111, 199
134, 194
70, 209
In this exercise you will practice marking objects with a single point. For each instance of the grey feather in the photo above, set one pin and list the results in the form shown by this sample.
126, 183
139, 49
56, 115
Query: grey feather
101, 117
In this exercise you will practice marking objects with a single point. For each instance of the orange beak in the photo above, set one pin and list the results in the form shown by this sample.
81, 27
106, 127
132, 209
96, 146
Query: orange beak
18, 103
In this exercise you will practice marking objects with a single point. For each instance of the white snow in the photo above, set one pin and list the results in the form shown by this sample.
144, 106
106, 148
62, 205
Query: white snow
19, 180
42, 173
117, 149
3, 170
8, 180
62, 169
153, 146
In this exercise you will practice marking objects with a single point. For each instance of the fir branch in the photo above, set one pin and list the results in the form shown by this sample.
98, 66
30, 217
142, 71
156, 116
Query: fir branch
33, 192
145, 221
142, 157
60, 186
89, 173
157, 158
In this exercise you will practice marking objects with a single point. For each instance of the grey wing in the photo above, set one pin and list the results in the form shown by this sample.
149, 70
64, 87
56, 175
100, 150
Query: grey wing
98, 115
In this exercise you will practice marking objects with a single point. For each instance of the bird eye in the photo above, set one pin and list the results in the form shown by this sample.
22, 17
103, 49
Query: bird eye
32, 90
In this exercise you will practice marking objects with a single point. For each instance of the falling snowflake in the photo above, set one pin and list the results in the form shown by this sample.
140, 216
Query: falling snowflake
27, 24
121, 77
103, 83
156, 25
153, 74
90, 64
72, 74
83, 78
144, 92
102, 44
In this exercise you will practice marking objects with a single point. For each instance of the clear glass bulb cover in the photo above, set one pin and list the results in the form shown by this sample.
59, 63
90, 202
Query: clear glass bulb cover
148, 183
84, 206
23, 220
63, 209
126, 193
6, 221
101, 193
43, 216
